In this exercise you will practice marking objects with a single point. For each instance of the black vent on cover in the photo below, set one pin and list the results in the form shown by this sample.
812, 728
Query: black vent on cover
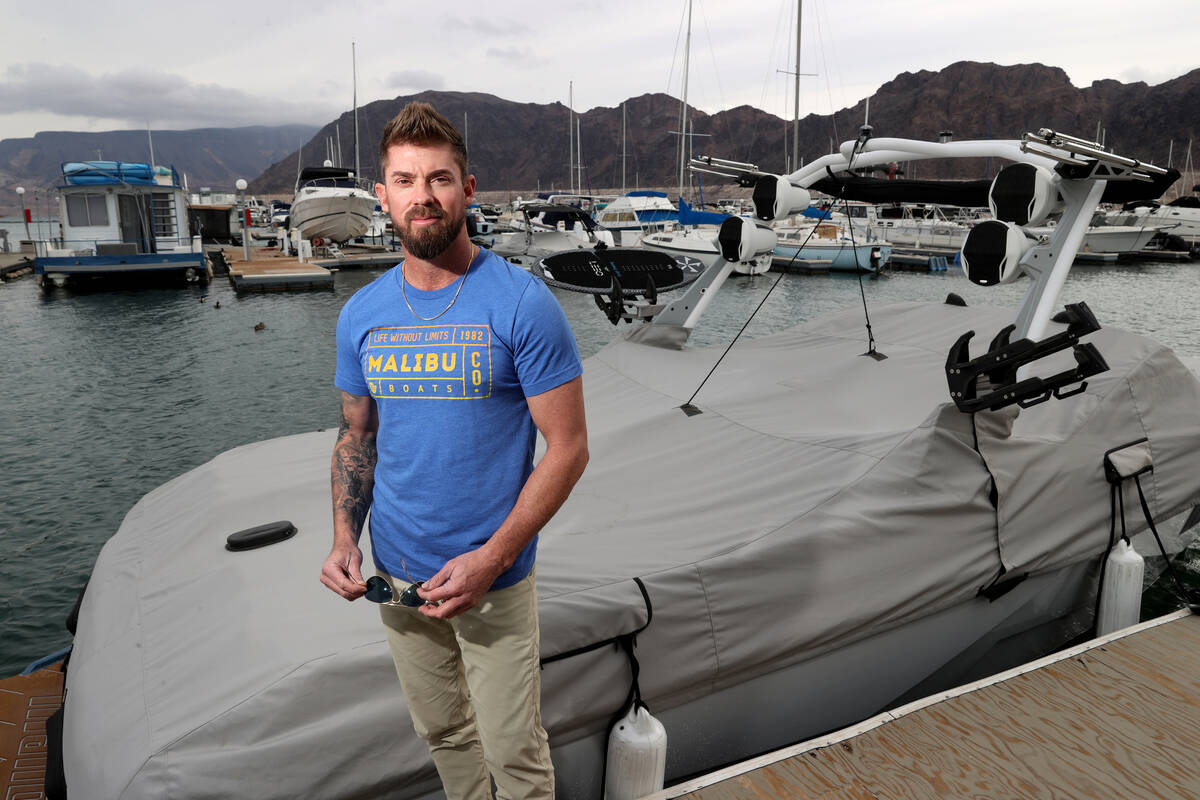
1013, 192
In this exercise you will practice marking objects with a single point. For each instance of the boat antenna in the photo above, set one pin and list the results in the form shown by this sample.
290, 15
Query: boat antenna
150, 136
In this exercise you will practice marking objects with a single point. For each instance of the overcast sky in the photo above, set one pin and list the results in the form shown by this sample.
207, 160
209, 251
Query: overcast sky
91, 65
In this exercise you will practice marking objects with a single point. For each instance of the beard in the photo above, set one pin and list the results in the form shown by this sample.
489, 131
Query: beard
432, 240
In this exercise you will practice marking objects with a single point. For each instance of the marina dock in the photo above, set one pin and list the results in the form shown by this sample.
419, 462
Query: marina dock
269, 270
14, 265
1116, 717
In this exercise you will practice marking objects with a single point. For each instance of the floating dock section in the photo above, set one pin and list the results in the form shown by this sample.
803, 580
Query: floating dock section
1117, 717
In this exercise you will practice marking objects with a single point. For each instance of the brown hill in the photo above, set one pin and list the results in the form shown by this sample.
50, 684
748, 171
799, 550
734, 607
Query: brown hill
523, 146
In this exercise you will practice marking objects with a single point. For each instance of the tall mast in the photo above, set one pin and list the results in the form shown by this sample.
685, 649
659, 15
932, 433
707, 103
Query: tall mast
622, 148
354, 73
579, 154
796, 100
683, 137
571, 137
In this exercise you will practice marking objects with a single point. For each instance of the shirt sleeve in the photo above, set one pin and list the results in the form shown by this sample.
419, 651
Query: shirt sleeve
349, 376
545, 353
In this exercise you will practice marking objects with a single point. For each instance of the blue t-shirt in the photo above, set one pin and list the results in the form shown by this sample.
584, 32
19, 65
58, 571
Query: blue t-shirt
455, 437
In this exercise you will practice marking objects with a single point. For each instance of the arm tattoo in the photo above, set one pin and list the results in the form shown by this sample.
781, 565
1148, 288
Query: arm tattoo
353, 474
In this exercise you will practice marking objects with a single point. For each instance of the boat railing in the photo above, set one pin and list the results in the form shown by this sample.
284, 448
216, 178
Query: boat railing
333, 183
60, 247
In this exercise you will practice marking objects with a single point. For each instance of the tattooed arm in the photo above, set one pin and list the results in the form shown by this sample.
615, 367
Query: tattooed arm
352, 479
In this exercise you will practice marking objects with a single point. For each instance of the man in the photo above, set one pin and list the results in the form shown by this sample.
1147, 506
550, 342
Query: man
447, 364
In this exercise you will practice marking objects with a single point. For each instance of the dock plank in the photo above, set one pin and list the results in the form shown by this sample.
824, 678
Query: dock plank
1119, 719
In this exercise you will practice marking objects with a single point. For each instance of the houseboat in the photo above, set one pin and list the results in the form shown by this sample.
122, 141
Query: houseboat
120, 220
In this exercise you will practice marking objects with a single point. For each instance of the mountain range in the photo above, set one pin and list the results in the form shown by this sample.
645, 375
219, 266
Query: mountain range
523, 147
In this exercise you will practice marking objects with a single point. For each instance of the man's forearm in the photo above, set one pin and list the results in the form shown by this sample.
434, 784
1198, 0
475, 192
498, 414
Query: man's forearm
352, 481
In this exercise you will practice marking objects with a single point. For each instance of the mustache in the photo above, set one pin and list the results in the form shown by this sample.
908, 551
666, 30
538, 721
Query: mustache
424, 211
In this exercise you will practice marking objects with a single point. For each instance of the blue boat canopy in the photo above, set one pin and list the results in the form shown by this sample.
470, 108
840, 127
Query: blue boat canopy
101, 173
689, 216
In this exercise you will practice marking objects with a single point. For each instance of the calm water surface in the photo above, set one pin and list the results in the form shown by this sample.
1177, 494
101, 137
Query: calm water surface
108, 395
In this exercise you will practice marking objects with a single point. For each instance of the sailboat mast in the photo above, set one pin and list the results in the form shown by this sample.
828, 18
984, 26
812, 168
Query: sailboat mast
796, 99
571, 137
622, 148
354, 73
683, 115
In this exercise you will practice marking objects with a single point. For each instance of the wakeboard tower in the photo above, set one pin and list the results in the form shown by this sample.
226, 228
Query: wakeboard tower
1051, 173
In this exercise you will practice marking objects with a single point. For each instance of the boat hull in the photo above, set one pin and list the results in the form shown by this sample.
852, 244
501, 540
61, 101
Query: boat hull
841, 256
700, 247
332, 214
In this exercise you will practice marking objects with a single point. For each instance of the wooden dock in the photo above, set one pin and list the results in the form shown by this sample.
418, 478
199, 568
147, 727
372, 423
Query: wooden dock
1117, 717
14, 265
26, 702
270, 271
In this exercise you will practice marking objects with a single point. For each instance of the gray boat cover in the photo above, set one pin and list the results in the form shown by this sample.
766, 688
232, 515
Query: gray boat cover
820, 498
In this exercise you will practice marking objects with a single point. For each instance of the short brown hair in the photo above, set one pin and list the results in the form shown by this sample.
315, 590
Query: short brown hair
421, 124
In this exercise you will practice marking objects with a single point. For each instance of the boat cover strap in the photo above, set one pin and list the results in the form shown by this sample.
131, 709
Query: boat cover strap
619, 640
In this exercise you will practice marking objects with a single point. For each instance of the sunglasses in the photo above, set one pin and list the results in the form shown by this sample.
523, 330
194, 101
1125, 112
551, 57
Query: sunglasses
380, 591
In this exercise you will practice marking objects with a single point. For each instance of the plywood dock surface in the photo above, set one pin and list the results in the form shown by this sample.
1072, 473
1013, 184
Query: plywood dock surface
1118, 719
273, 271
26, 702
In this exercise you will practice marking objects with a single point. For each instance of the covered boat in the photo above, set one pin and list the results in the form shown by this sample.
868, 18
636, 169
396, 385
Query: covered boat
884, 537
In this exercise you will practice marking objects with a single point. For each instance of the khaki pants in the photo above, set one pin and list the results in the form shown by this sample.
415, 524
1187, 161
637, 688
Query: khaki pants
473, 687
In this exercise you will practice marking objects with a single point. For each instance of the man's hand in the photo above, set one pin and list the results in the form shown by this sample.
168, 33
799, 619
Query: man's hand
342, 572
460, 584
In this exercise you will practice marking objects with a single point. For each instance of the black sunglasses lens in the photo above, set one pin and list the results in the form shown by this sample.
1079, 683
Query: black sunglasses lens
378, 590
410, 598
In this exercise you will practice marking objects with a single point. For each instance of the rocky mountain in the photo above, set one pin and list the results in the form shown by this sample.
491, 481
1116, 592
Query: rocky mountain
523, 146
213, 157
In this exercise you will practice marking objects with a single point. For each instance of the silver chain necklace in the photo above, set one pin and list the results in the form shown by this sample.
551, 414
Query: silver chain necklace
461, 283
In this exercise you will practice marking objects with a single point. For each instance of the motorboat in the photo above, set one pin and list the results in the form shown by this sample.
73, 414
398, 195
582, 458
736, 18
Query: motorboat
331, 204
772, 539
695, 239
636, 214
120, 221
542, 229
1180, 217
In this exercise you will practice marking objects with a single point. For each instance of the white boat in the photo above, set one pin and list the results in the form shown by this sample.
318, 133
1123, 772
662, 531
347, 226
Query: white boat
120, 221
543, 229
1180, 217
833, 246
331, 204
635, 214
695, 239
794, 536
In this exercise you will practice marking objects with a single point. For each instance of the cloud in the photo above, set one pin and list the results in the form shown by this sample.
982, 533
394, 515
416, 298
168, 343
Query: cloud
415, 79
134, 97
487, 26
516, 55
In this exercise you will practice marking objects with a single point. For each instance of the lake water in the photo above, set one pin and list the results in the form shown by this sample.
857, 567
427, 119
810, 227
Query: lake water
110, 394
